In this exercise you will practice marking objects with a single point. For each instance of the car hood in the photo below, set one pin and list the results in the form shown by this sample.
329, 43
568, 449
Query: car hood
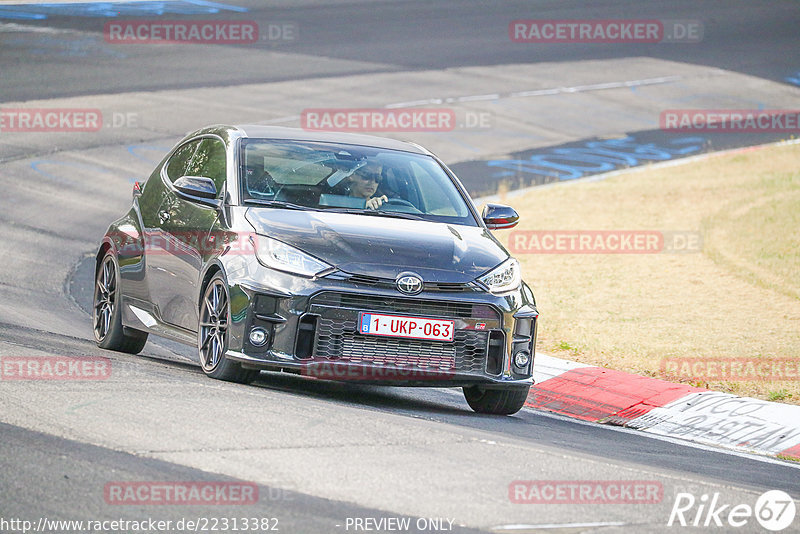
384, 247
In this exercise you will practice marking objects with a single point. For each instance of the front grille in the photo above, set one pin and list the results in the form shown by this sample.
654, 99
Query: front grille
388, 283
337, 337
448, 287
410, 306
338, 340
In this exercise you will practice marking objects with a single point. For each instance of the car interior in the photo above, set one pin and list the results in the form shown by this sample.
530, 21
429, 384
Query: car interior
320, 176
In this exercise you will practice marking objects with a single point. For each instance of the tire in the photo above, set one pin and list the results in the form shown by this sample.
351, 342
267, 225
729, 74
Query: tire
212, 335
496, 401
106, 314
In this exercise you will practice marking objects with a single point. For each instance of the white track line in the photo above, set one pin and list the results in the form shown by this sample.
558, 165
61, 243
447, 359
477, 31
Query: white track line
558, 525
538, 92
720, 449
677, 441
500, 96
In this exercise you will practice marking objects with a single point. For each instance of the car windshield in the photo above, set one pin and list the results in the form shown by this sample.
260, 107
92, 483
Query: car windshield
350, 178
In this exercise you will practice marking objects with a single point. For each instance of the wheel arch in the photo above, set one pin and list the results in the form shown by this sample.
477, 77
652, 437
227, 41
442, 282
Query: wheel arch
211, 270
105, 246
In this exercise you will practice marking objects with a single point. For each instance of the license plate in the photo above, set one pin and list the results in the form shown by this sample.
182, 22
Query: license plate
378, 324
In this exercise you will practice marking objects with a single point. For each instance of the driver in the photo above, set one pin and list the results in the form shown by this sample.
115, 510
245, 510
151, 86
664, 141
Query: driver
364, 183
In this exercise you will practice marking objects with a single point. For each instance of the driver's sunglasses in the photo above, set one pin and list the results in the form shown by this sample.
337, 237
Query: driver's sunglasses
373, 176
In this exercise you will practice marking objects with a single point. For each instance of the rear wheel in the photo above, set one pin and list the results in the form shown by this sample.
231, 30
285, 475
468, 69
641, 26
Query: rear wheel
496, 401
212, 335
106, 314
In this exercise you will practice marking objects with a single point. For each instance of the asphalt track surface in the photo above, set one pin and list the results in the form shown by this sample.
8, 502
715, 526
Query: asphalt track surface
320, 452
357, 37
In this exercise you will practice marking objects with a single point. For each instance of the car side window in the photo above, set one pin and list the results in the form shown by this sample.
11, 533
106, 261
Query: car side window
210, 160
179, 162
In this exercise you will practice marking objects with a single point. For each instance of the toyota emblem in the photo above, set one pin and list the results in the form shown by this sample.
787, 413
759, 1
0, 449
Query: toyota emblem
409, 284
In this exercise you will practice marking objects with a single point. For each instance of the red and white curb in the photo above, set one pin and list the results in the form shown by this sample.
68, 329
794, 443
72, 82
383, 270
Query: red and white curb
676, 410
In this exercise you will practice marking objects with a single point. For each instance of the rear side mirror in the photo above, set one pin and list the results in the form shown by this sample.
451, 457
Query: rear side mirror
198, 188
499, 217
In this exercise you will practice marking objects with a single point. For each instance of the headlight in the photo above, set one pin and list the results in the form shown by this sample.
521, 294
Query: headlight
282, 257
504, 278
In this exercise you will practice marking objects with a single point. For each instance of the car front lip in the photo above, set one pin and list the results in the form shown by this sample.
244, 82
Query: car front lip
372, 375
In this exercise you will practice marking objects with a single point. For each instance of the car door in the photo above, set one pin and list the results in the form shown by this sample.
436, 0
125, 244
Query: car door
179, 252
159, 195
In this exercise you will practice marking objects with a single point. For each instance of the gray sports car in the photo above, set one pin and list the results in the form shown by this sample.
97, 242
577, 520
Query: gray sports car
336, 256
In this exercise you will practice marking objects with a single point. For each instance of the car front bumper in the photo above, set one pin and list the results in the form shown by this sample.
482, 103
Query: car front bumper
311, 327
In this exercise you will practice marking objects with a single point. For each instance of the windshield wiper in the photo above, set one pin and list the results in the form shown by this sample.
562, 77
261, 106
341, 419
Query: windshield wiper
376, 213
279, 204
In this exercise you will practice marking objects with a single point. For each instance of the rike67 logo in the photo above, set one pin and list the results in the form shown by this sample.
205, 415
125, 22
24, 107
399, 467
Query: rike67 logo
774, 510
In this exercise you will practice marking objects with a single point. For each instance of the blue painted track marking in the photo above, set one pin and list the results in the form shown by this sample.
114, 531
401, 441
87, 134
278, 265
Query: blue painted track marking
136, 151
595, 157
116, 9
37, 164
55, 169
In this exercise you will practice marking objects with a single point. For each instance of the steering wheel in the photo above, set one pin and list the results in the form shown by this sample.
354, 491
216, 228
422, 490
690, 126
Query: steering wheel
400, 202
260, 185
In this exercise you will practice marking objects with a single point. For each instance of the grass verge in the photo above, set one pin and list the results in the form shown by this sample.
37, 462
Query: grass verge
730, 294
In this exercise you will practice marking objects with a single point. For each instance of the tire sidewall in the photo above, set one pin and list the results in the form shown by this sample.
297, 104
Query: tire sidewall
115, 324
221, 364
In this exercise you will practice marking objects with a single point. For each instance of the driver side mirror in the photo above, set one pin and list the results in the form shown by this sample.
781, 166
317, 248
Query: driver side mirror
499, 217
198, 189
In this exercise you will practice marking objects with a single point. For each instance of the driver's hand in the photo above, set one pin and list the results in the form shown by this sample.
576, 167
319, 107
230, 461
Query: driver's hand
375, 203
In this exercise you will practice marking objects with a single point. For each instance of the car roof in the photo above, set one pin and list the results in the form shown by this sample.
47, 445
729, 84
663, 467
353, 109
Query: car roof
298, 134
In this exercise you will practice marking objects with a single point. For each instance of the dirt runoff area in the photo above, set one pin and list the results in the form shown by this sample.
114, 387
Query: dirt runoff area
689, 273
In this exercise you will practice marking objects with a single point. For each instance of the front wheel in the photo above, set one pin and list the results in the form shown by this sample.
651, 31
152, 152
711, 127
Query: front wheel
106, 314
496, 401
212, 334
